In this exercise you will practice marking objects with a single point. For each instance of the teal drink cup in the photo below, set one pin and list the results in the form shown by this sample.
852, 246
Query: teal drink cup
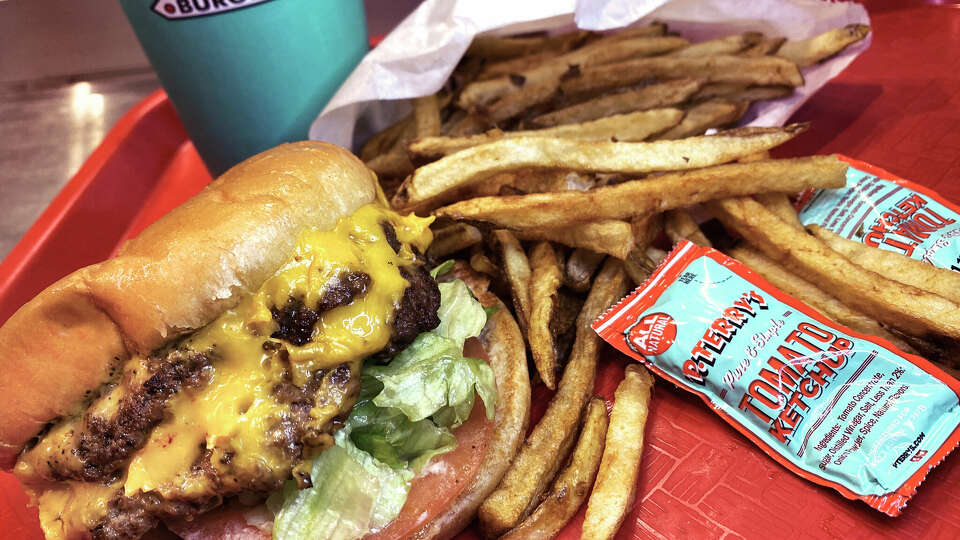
246, 75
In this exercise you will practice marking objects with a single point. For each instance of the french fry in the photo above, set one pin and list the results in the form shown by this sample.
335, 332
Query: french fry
544, 283
809, 294
384, 140
726, 45
572, 485
760, 93
646, 229
472, 165
395, 161
580, 267
481, 263
496, 47
666, 192
518, 102
622, 127
704, 116
452, 239
712, 90
469, 124
536, 463
616, 483
765, 70
767, 45
529, 181
611, 236
516, 268
678, 224
893, 265
481, 93
904, 307
807, 52
426, 116
780, 205
639, 263
515, 65
653, 96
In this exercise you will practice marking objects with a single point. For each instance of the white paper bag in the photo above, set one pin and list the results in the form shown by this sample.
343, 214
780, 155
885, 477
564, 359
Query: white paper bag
419, 55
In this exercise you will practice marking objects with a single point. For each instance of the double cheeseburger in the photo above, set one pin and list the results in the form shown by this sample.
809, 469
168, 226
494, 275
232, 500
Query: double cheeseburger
209, 365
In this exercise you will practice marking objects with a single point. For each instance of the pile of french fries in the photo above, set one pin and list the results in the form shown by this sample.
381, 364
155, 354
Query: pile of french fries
553, 165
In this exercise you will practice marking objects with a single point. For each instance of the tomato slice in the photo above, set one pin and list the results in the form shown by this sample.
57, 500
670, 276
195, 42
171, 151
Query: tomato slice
448, 474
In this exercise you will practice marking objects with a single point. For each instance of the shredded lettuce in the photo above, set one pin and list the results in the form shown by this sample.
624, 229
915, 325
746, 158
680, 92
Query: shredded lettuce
403, 418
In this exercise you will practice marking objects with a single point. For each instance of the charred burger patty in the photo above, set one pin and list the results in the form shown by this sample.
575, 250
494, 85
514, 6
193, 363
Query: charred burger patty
246, 402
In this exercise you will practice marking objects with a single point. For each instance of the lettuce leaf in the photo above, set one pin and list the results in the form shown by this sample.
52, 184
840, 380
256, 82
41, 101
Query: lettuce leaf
403, 417
352, 493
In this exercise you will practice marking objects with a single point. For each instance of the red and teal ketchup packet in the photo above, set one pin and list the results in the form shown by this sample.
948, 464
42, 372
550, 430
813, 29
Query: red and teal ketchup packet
887, 212
839, 408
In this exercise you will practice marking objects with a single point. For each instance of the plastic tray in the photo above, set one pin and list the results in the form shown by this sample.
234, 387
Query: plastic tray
897, 107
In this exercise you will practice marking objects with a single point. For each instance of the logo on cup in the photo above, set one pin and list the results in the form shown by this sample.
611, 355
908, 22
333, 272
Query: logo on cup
185, 9
652, 335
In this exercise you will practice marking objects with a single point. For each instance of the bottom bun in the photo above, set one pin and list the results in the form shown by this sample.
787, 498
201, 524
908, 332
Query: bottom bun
459, 480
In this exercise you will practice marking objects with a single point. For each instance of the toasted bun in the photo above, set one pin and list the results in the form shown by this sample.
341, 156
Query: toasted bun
177, 276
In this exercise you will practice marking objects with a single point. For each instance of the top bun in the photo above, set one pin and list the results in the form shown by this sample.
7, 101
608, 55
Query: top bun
177, 276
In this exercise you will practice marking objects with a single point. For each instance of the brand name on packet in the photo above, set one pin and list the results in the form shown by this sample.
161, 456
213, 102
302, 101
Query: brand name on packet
719, 334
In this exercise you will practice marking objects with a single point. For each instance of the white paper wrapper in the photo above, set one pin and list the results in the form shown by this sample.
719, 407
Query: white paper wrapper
419, 55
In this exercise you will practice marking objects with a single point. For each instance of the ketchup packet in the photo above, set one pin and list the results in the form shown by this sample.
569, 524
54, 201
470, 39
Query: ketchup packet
837, 407
885, 211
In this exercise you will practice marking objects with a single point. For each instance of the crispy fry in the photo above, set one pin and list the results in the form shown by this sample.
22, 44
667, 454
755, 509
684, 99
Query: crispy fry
496, 47
712, 90
807, 52
515, 65
764, 70
470, 124
893, 265
622, 127
426, 116
904, 307
615, 487
672, 190
536, 463
646, 229
726, 45
639, 265
767, 45
572, 485
452, 239
611, 236
481, 93
702, 117
516, 267
760, 93
481, 263
395, 161
678, 224
809, 294
516, 103
581, 265
780, 205
472, 165
655, 95
544, 282
384, 140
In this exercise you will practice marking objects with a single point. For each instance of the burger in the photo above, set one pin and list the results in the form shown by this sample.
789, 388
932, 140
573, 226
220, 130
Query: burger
273, 357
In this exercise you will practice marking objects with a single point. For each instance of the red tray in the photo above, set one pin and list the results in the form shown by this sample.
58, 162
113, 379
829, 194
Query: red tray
897, 106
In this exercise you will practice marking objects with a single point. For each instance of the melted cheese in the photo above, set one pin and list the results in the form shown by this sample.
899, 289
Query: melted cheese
231, 415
